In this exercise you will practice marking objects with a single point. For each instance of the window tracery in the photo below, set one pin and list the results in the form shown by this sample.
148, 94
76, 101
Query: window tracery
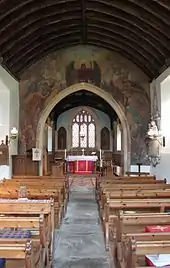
83, 130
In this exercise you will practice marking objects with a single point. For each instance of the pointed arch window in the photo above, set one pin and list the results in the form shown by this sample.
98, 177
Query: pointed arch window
83, 130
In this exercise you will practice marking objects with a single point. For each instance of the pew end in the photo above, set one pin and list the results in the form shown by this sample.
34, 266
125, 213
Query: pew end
132, 253
21, 253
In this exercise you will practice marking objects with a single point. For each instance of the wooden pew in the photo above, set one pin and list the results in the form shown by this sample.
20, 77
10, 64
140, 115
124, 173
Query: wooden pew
37, 177
109, 179
133, 181
129, 184
35, 224
23, 250
43, 178
131, 251
134, 193
131, 194
38, 194
113, 206
112, 209
39, 183
32, 207
121, 187
55, 189
118, 226
135, 255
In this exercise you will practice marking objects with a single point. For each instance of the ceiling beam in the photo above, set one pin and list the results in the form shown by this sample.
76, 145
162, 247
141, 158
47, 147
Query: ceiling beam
84, 21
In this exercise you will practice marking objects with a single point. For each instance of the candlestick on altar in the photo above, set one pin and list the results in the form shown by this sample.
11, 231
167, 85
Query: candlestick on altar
65, 154
101, 163
100, 154
83, 151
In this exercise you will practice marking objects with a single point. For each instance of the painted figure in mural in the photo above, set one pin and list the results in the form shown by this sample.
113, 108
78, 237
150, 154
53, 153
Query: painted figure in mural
153, 130
88, 72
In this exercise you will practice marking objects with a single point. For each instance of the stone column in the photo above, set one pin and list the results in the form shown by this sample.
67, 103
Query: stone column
53, 124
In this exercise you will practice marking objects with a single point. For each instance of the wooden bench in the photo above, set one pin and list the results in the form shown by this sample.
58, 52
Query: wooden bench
42, 178
109, 179
129, 184
131, 194
37, 226
113, 206
112, 209
32, 208
133, 226
38, 194
117, 226
131, 187
131, 251
40, 189
21, 250
52, 183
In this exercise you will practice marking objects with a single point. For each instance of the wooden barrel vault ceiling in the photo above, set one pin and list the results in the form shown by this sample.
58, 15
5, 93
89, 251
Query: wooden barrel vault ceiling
137, 29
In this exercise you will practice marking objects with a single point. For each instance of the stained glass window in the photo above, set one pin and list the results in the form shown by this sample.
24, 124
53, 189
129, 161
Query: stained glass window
91, 135
83, 135
119, 138
75, 134
83, 131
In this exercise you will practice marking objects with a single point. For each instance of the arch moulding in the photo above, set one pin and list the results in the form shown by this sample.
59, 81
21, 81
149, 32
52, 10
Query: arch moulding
100, 92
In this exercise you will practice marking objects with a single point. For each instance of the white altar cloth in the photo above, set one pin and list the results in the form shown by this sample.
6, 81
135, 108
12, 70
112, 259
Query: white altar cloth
81, 158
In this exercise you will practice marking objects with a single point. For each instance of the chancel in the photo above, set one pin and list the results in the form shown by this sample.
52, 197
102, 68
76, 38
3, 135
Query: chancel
85, 134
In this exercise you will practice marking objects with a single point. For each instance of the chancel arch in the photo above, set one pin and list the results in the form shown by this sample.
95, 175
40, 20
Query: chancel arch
104, 95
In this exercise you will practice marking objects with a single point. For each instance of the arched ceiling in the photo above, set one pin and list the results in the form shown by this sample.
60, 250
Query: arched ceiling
83, 98
137, 29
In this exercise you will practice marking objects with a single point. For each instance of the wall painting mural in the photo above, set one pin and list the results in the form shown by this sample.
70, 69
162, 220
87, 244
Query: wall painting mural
108, 70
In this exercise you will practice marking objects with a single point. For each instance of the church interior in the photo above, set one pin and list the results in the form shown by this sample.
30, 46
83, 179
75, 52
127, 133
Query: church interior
84, 133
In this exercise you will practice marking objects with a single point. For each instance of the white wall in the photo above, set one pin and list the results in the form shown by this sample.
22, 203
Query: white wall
4, 123
9, 115
4, 111
162, 170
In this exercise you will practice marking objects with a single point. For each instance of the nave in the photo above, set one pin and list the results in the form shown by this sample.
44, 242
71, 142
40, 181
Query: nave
84, 221
79, 241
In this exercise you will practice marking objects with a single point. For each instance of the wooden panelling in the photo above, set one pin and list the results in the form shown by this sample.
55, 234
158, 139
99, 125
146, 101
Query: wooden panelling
23, 165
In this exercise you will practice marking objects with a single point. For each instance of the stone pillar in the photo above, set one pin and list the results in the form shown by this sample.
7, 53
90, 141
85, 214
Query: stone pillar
53, 136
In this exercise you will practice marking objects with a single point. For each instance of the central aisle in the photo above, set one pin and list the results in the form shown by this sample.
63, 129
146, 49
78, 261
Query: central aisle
79, 242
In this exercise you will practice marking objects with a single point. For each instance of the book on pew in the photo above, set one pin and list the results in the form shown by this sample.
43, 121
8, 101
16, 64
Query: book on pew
158, 260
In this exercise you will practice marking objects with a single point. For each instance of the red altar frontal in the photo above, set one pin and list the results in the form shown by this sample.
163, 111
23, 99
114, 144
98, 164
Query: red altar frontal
81, 164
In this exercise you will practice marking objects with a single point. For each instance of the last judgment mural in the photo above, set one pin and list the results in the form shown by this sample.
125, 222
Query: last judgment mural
127, 84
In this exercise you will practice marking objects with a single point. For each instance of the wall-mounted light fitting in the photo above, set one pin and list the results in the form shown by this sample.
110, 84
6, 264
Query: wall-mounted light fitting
13, 135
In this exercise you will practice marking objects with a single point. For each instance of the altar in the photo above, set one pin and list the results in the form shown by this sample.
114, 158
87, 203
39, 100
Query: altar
81, 164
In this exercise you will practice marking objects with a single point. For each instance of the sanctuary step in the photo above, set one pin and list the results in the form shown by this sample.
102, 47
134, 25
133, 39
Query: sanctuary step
79, 242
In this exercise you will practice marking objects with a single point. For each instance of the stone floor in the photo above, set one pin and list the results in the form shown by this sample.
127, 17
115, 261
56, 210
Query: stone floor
79, 242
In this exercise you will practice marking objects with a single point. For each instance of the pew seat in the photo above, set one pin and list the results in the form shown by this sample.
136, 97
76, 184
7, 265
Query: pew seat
133, 254
21, 253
